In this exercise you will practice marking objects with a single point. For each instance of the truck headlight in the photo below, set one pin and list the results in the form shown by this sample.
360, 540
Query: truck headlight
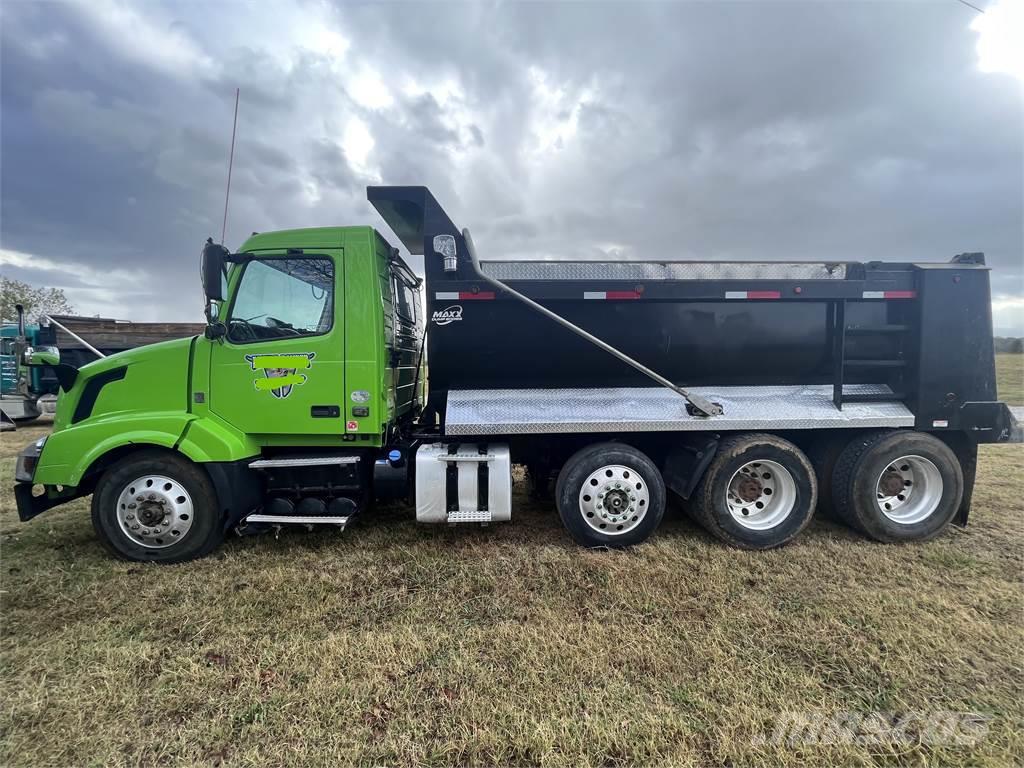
28, 460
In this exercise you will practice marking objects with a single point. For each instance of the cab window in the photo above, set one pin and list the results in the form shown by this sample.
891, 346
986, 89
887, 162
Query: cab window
404, 301
283, 298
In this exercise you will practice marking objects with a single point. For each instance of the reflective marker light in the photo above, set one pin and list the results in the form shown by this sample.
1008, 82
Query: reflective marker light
445, 245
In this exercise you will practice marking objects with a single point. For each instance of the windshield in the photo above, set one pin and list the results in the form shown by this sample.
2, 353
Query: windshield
283, 297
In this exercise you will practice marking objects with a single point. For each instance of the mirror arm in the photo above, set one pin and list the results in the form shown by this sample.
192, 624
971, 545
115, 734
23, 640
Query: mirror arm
215, 330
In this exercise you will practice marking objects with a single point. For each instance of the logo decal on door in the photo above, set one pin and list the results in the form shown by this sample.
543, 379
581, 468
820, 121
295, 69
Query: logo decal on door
280, 371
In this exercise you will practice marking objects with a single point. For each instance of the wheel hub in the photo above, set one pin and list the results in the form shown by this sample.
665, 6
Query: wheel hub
909, 489
761, 495
154, 511
614, 499
892, 483
749, 489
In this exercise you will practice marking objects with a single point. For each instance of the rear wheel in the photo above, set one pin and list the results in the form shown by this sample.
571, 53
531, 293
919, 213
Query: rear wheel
759, 492
824, 453
898, 486
610, 495
156, 506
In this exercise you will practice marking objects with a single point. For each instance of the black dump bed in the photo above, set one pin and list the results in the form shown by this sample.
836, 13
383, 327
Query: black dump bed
910, 333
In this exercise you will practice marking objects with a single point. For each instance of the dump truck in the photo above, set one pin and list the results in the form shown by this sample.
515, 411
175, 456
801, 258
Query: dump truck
754, 392
24, 390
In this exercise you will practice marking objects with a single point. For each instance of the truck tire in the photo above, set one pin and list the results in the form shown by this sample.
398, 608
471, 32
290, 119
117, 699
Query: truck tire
758, 493
823, 452
898, 486
610, 495
156, 506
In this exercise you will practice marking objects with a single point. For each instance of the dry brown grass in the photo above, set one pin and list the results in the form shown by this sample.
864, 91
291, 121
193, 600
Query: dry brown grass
398, 644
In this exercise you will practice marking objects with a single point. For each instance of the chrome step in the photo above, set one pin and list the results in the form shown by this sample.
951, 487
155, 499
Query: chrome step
466, 457
474, 516
303, 461
298, 519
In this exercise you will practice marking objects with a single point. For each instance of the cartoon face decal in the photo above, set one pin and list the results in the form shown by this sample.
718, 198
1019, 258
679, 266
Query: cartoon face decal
280, 371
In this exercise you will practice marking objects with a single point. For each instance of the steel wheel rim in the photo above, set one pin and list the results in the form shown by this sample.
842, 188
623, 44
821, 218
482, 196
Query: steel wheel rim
761, 495
920, 495
614, 499
155, 511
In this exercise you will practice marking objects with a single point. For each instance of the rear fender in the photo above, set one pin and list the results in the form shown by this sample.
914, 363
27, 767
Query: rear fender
685, 464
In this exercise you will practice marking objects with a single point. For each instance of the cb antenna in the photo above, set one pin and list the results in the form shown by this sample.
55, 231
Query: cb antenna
231, 162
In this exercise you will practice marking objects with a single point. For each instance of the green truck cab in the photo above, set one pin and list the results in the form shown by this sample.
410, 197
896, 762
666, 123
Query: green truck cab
310, 363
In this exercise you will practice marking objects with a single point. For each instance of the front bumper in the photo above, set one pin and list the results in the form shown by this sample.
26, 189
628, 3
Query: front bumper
29, 504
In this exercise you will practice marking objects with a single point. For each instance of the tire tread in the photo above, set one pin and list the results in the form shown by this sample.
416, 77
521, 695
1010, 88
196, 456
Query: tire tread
842, 475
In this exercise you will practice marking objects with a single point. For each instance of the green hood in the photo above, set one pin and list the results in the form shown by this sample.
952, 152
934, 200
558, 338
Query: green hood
150, 378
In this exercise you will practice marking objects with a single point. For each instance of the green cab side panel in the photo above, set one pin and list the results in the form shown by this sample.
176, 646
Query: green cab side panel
278, 386
366, 312
349, 365
212, 439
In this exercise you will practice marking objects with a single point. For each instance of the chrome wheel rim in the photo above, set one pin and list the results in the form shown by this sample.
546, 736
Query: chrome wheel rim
614, 499
155, 511
909, 490
761, 495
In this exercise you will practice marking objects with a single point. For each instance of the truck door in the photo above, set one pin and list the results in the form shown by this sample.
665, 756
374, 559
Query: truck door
280, 368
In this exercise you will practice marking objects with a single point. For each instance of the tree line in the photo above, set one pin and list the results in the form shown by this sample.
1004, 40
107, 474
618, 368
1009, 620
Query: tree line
36, 301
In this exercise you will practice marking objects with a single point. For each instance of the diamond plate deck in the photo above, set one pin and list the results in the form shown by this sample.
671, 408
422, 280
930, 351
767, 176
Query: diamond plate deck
638, 409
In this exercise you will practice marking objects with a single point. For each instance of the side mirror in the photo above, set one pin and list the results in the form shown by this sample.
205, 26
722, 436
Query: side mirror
212, 268
42, 356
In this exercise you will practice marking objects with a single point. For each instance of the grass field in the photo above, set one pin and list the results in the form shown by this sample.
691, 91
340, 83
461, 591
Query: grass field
1010, 378
403, 645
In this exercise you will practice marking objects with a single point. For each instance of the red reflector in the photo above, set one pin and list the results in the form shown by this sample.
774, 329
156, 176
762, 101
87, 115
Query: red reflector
622, 295
469, 295
763, 295
900, 294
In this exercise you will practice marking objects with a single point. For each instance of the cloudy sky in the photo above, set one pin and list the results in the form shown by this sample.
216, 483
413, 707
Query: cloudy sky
668, 130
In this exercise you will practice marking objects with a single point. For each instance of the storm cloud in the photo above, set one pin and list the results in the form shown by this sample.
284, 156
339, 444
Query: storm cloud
739, 130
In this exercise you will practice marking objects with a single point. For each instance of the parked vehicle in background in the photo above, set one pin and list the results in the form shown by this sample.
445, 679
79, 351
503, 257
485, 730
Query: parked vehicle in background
24, 389
757, 392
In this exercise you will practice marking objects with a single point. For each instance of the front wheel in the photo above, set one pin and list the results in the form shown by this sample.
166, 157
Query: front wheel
156, 506
610, 495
